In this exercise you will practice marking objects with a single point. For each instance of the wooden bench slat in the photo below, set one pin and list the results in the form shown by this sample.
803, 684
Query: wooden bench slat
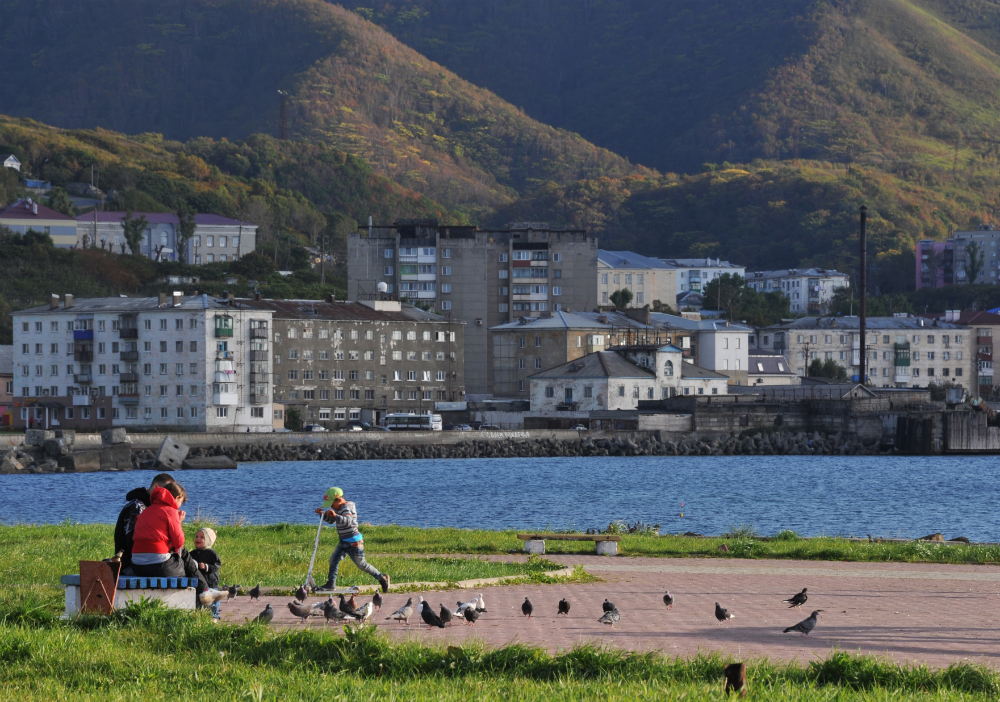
569, 537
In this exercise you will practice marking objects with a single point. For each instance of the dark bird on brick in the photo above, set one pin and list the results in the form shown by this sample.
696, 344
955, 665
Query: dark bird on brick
233, 591
609, 606
526, 608
266, 616
377, 600
797, 600
446, 615
300, 610
722, 614
668, 600
806, 625
301, 594
563, 606
611, 618
255, 593
471, 615
427, 614
348, 606
331, 613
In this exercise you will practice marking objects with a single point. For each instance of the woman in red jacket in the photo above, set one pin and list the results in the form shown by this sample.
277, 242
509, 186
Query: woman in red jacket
158, 539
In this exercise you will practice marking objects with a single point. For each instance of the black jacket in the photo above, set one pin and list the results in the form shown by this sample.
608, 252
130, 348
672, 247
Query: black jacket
136, 501
212, 564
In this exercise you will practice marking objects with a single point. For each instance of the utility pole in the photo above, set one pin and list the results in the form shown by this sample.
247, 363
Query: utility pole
322, 259
283, 125
864, 292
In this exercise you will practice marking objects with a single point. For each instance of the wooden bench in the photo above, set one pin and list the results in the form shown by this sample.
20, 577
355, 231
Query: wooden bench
176, 593
604, 544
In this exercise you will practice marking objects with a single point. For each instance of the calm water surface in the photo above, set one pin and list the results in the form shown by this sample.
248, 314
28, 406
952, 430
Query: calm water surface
910, 496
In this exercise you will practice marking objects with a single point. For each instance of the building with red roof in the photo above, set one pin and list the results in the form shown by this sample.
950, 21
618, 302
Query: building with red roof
27, 215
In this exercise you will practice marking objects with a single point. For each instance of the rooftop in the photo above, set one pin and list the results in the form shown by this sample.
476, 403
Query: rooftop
792, 272
970, 317
601, 364
340, 311
629, 259
672, 321
29, 209
104, 305
767, 363
873, 323
161, 218
558, 320
699, 263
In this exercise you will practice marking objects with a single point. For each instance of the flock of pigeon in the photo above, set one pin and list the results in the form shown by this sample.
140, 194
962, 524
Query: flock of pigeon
348, 611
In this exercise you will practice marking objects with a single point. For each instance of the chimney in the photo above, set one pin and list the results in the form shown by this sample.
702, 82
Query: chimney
161, 299
259, 296
331, 298
177, 298
69, 301
34, 208
53, 301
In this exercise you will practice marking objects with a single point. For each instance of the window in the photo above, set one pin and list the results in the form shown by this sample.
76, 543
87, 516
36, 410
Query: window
604, 278
445, 253
503, 274
221, 412
503, 259
621, 391
163, 347
445, 270
538, 364
550, 392
502, 307
557, 257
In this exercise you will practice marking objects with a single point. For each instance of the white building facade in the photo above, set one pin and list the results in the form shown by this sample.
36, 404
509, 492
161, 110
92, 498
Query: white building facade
695, 273
809, 290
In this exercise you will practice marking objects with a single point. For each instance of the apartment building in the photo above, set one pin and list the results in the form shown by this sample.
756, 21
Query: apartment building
968, 257
902, 351
809, 290
694, 274
715, 344
216, 238
483, 278
338, 362
648, 279
6, 385
984, 326
28, 216
169, 363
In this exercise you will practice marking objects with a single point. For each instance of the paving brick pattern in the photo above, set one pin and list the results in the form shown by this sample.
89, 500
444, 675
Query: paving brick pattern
934, 614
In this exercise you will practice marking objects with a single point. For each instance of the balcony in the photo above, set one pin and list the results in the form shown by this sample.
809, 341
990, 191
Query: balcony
260, 377
225, 398
900, 378
984, 341
258, 355
83, 334
130, 399
128, 377
258, 333
82, 400
224, 355
130, 333
82, 378
222, 332
259, 399
129, 356
83, 356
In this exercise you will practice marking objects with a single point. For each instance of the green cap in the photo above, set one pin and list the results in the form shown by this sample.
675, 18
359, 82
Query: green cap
331, 495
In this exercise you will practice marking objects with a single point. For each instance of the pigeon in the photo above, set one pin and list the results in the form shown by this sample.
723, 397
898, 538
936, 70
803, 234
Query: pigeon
233, 591
301, 594
668, 600
446, 615
330, 612
322, 605
480, 604
347, 607
563, 607
806, 625
300, 610
427, 614
211, 596
404, 613
722, 614
255, 593
471, 615
609, 606
798, 600
377, 600
611, 617
266, 616
473, 604
363, 613
526, 608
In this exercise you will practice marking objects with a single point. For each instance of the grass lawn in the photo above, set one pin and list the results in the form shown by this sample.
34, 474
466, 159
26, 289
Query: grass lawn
150, 653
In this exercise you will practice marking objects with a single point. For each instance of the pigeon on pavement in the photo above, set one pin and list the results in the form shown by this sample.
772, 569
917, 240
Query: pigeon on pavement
563, 607
404, 613
611, 617
377, 600
266, 616
722, 614
233, 591
300, 610
301, 594
446, 615
609, 605
471, 615
474, 604
806, 625
480, 604
427, 614
668, 600
211, 596
331, 613
797, 600
526, 608
364, 612
255, 593
347, 606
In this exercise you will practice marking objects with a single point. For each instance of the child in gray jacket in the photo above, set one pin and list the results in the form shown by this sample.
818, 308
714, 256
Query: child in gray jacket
344, 515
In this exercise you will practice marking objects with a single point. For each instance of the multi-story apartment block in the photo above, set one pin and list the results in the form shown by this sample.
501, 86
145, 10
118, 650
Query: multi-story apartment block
695, 273
809, 290
968, 257
6, 385
216, 238
341, 362
26, 215
985, 326
482, 278
936, 263
648, 279
902, 351
172, 363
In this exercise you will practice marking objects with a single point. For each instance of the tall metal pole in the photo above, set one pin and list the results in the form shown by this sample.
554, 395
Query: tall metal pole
864, 293
283, 127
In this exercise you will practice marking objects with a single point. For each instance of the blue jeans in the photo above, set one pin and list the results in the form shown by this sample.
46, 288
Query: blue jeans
356, 551
215, 610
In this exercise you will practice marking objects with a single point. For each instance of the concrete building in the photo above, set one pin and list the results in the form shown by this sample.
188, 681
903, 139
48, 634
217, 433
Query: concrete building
695, 273
171, 363
649, 279
716, 344
216, 238
27, 215
338, 362
482, 278
768, 369
809, 290
6, 385
11, 161
950, 262
984, 326
902, 351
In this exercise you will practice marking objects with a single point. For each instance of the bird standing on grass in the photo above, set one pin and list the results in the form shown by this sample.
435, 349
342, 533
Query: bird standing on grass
266, 616
527, 608
608, 605
668, 600
722, 614
255, 593
797, 600
446, 615
806, 625
404, 613
301, 594
300, 610
611, 617
427, 614
563, 607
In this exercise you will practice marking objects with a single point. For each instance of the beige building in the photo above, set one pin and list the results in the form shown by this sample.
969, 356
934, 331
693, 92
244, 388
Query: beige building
985, 328
648, 279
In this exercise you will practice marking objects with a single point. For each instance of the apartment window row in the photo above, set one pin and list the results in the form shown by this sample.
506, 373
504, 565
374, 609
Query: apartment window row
369, 335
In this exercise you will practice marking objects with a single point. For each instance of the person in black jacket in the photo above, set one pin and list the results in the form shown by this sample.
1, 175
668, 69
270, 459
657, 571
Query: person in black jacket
136, 501
207, 560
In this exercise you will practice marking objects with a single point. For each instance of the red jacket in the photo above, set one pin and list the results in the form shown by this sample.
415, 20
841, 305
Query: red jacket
158, 527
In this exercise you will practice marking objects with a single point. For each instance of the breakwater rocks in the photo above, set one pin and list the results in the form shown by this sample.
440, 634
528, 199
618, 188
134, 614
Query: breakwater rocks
758, 444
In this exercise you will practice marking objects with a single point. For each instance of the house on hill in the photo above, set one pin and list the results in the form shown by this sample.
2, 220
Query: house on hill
11, 161
27, 215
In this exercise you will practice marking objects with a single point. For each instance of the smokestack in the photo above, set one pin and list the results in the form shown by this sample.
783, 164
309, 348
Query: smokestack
53, 301
177, 298
161, 299
863, 292
69, 300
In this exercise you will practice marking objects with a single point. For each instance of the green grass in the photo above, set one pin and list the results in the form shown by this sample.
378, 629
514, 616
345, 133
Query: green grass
151, 653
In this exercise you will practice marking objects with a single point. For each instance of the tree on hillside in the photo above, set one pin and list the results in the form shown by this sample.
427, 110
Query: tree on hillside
134, 227
977, 257
185, 230
58, 200
826, 369
730, 293
724, 291
621, 298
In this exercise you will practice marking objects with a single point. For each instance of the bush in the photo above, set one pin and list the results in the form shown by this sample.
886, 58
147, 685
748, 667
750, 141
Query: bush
254, 266
293, 420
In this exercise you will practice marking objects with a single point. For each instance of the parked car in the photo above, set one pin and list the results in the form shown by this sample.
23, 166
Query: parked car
358, 426
353, 427
463, 427
476, 425
447, 427
489, 427
314, 428
579, 427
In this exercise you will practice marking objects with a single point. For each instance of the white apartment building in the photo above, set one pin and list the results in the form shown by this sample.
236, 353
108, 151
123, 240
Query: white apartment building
809, 290
902, 351
716, 344
171, 363
648, 279
693, 274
